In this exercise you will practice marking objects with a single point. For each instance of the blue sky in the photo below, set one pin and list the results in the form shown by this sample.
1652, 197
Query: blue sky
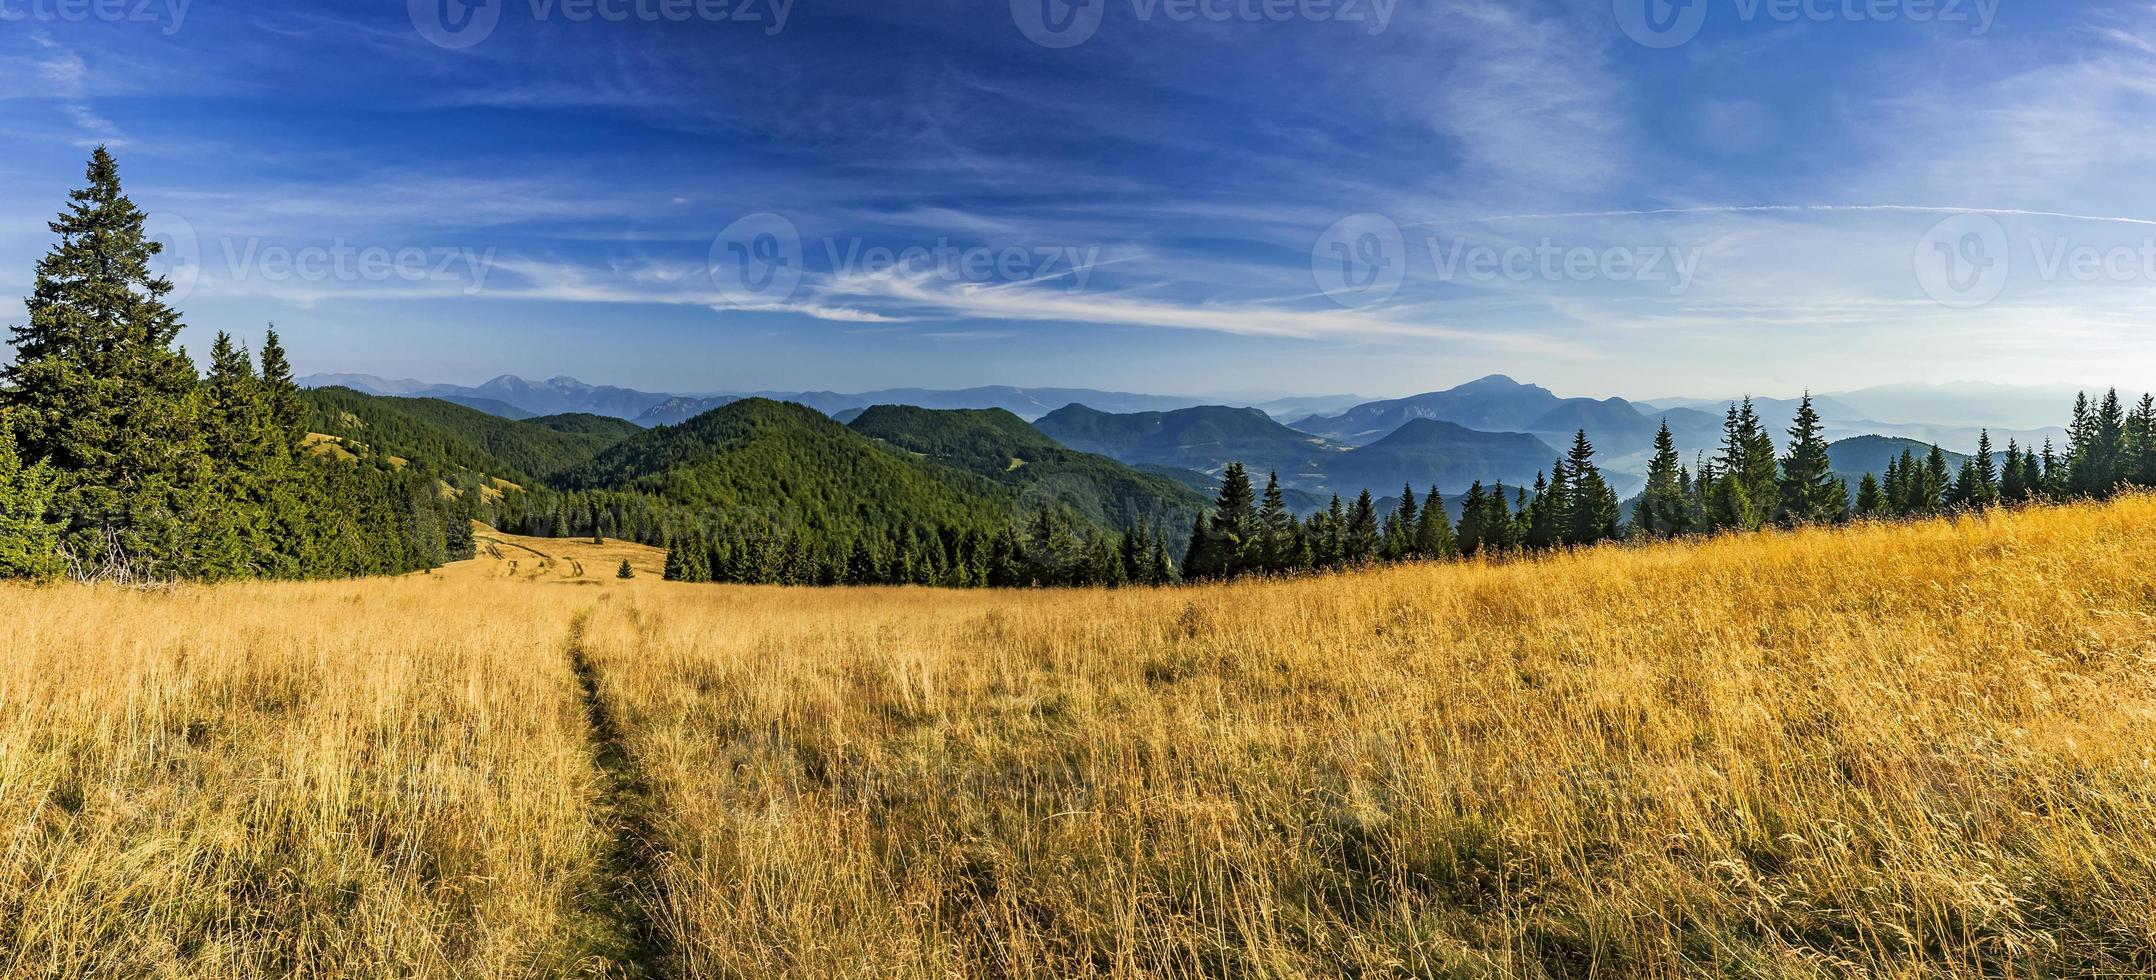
1529, 188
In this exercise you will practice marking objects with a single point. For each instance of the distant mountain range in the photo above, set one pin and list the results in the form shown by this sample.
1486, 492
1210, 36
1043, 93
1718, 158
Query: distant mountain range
514, 397
1494, 429
554, 396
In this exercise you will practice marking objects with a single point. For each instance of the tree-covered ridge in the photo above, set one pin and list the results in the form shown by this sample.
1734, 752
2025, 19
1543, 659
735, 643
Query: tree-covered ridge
789, 466
453, 438
587, 424
122, 463
1192, 438
1002, 447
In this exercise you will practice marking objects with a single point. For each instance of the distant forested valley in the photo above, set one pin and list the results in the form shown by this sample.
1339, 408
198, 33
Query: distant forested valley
122, 459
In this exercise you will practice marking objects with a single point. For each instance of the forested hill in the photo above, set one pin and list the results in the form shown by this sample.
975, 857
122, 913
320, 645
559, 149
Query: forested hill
1193, 438
791, 467
1002, 447
585, 423
452, 438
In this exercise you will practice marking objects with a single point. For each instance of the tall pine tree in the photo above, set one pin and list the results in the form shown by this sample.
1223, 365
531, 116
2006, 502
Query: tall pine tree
102, 393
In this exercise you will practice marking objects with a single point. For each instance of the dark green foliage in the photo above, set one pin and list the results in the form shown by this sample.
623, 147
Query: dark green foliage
583, 424
29, 541
1591, 513
626, 571
451, 438
1662, 511
101, 394
1810, 493
1227, 542
145, 471
1000, 446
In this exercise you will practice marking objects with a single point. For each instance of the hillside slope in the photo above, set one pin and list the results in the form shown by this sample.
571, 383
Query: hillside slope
1204, 439
1425, 453
759, 462
452, 437
1001, 447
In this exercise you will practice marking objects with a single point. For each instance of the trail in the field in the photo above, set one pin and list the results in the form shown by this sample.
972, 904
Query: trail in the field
625, 936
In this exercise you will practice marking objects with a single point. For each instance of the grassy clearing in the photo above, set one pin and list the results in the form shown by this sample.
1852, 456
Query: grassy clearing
1892, 751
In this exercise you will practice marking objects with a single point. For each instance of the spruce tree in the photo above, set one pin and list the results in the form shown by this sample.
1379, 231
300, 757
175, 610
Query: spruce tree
286, 409
1276, 528
1500, 532
1760, 469
1433, 537
103, 395
1163, 570
1362, 542
1728, 507
1474, 509
1401, 527
626, 571
1984, 483
1660, 512
1545, 515
2139, 466
1869, 499
1593, 512
2014, 476
1936, 481
1808, 490
29, 541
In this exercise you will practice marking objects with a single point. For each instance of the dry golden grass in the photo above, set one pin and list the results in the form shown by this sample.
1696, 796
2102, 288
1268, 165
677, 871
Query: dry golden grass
1889, 751
553, 559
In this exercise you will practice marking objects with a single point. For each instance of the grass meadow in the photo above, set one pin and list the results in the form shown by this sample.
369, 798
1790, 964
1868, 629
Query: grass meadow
1894, 751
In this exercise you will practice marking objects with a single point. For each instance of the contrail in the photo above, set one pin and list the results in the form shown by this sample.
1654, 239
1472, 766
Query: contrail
1745, 208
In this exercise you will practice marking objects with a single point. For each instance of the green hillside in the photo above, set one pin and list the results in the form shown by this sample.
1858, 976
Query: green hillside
584, 423
1426, 452
791, 468
1205, 438
999, 446
1859, 455
448, 437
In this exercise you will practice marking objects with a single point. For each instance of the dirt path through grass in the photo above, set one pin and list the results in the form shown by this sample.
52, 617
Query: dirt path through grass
625, 938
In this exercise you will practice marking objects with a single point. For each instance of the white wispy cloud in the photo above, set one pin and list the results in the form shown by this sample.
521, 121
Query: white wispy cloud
63, 77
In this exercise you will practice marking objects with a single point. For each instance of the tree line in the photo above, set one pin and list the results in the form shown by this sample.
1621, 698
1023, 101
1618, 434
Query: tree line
1748, 485
119, 461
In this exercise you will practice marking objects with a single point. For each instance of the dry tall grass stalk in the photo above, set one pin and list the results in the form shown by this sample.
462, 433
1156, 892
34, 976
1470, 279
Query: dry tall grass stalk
1890, 751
